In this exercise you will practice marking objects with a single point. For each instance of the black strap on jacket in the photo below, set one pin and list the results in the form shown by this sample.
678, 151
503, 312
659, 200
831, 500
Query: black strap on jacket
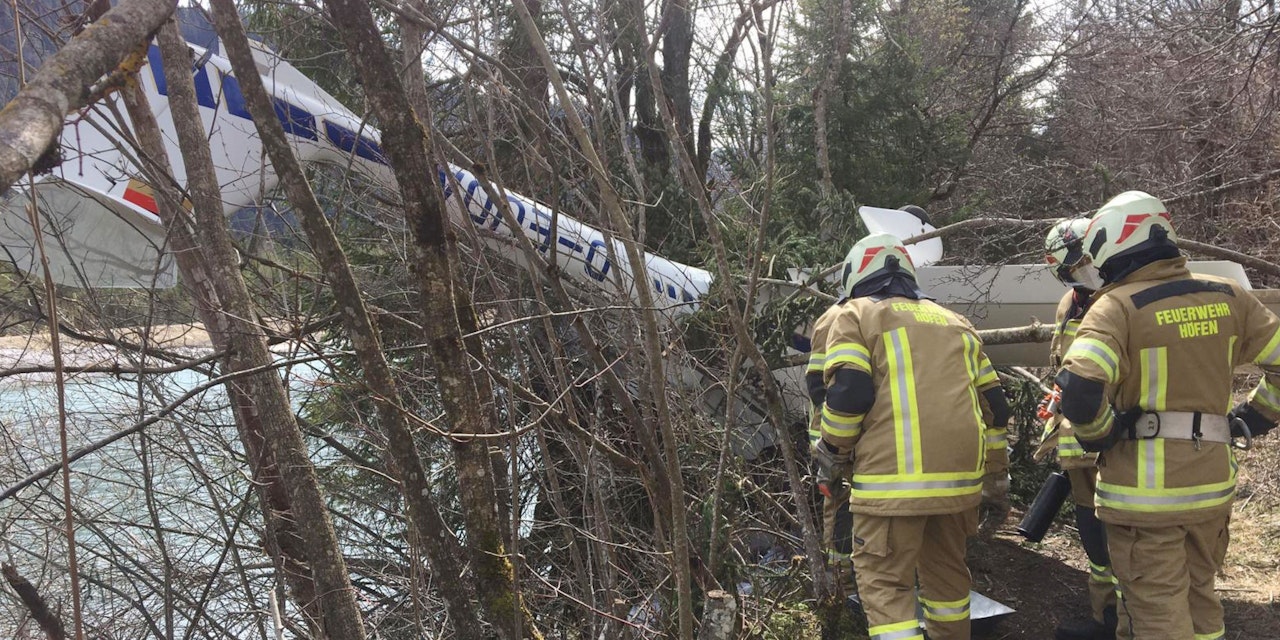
1179, 288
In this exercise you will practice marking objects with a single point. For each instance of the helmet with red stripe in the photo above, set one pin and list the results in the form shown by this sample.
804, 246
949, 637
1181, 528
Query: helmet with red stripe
1131, 223
873, 256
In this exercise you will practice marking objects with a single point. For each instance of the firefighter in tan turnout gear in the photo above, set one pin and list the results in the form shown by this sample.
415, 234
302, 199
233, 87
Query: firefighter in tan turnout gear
1064, 249
837, 521
1147, 381
905, 381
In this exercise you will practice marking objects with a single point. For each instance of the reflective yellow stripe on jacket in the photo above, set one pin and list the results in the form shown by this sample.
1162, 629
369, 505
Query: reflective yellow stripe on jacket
983, 375
817, 363
1153, 496
902, 389
1099, 353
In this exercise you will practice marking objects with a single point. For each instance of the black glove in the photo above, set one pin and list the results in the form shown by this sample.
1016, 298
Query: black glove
1257, 423
833, 467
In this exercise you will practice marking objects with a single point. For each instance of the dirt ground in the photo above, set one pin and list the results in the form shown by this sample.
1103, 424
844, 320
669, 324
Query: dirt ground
1046, 582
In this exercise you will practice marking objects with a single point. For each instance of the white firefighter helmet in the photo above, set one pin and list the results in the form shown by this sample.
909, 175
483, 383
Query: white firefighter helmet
1130, 222
873, 256
1064, 249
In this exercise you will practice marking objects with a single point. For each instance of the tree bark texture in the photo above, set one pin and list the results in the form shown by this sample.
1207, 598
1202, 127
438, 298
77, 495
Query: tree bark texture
773, 394
442, 549
446, 312
677, 43
282, 539
830, 70
32, 121
340, 617
34, 603
612, 205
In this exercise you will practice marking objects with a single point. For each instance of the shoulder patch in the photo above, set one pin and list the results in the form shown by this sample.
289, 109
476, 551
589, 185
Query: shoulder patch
1179, 288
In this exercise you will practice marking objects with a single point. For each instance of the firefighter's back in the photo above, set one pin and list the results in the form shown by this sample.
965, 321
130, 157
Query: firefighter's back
1182, 341
922, 447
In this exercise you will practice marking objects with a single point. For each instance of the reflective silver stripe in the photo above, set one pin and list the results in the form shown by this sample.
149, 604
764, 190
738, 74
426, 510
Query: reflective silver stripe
913, 486
1152, 362
816, 361
1273, 356
898, 635
1101, 353
945, 611
856, 354
1161, 500
1064, 445
986, 370
996, 438
1267, 394
1149, 452
904, 401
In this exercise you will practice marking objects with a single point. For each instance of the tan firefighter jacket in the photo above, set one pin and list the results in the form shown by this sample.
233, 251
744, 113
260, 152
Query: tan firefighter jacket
1161, 340
1057, 430
921, 448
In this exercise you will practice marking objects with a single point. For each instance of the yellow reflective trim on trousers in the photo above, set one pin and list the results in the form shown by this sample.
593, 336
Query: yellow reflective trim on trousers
814, 436
940, 611
850, 353
1097, 352
817, 362
840, 426
1155, 377
902, 388
923, 485
905, 630
1151, 463
1215, 635
1270, 354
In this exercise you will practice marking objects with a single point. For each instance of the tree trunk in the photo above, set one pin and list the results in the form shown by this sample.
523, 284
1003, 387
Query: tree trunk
673, 483
677, 43
32, 121
340, 617
442, 549
34, 602
772, 392
822, 93
446, 312
283, 542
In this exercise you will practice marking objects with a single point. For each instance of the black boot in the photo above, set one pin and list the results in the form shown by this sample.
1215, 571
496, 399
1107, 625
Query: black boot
1088, 628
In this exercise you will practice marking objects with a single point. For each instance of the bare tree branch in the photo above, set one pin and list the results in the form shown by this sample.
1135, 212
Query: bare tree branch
32, 121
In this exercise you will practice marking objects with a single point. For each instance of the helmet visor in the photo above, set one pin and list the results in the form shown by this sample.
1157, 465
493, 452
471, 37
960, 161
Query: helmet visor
1084, 276
1074, 258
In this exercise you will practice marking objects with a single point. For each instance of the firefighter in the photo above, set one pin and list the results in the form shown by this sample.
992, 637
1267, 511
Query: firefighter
905, 383
1064, 250
1147, 382
837, 522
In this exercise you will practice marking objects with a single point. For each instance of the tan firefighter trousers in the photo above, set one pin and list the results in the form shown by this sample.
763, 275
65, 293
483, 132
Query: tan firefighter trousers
1166, 580
888, 554
1102, 582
